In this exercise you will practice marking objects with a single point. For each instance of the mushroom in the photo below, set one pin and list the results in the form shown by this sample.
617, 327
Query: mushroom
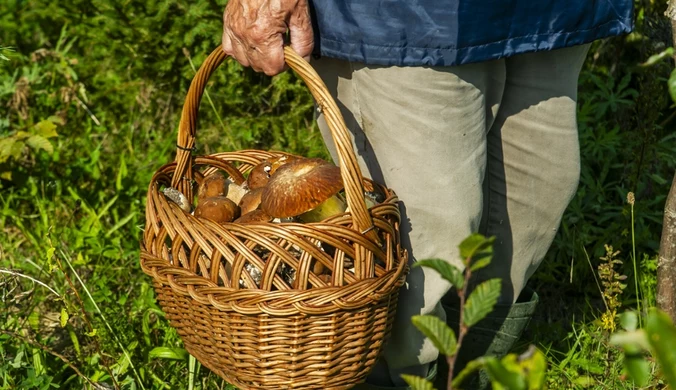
305, 188
261, 173
251, 200
235, 191
177, 197
254, 216
218, 209
214, 184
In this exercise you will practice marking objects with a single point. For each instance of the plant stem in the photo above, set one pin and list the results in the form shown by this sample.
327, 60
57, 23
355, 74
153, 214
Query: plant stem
462, 329
633, 246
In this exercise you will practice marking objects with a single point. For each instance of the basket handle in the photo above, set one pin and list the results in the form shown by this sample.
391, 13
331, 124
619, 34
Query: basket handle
349, 168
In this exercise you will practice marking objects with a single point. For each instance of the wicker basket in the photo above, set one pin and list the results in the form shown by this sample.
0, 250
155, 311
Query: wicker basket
311, 333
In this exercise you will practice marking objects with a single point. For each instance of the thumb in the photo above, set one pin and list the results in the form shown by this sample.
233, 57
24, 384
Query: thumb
300, 31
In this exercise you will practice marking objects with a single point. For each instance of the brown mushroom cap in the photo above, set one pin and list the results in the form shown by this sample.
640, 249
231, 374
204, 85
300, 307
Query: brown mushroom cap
214, 184
257, 215
218, 209
251, 200
300, 186
259, 175
277, 162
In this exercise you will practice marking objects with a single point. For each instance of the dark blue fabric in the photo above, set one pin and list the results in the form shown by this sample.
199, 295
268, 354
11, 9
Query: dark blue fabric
454, 32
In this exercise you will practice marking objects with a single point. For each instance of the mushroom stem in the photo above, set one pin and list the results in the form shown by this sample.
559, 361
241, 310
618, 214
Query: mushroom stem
330, 207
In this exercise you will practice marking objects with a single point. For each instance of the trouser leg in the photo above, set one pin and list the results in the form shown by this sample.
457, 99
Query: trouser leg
532, 174
533, 164
422, 132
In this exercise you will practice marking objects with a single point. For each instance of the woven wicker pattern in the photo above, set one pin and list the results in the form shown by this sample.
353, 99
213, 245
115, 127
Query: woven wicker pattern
246, 299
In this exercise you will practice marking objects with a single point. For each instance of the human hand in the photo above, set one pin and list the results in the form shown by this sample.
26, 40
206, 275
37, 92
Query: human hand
253, 32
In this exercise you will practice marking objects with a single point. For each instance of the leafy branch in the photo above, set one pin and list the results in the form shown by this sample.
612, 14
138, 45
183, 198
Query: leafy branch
513, 372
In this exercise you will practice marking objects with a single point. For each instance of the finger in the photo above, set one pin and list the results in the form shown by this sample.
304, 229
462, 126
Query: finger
270, 58
227, 43
239, 51
300, 30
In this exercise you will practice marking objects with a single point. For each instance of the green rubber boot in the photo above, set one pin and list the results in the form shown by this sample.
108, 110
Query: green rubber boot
494, 335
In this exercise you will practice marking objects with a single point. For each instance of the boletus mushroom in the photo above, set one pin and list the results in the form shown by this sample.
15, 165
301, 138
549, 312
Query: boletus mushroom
218, 209
261, 173
257, 215
214, 184
306, 188
251, 200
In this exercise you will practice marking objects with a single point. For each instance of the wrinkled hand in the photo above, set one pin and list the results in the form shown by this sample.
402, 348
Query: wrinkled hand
253, 32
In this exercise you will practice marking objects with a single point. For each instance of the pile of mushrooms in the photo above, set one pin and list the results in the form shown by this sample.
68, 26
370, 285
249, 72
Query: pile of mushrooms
279, 189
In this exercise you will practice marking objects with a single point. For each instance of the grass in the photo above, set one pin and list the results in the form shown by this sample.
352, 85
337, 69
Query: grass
75, 306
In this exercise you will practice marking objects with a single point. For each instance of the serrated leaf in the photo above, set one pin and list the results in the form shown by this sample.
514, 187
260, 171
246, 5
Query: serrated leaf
480, 263
499, 374
475, 245
655, 58
662, 337
168, 353
447, 271
46, 128
37, 142
437, 331
64, 317
417, 383
672, 85
481, 301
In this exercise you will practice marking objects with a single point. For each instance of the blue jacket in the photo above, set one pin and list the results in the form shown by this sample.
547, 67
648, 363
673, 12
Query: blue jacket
454, 32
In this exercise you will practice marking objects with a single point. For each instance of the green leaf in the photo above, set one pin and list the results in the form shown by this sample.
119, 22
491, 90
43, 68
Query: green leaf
481, 262
447, 271
470, 367
438, 332
6, 145
672, 85
92, 333
481, 301
533, 364
417, 383
655, 58
629, 320
46, 128
64, 317
584, 381
662, 337
638, 368
168, 353
634, 340
17, 149
501, 375
477, 247
37, 142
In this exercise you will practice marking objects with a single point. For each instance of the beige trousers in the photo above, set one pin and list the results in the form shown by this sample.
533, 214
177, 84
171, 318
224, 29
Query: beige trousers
489, 147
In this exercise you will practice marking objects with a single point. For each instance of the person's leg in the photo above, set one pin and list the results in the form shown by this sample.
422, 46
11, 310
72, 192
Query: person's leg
532, 174
422, 132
